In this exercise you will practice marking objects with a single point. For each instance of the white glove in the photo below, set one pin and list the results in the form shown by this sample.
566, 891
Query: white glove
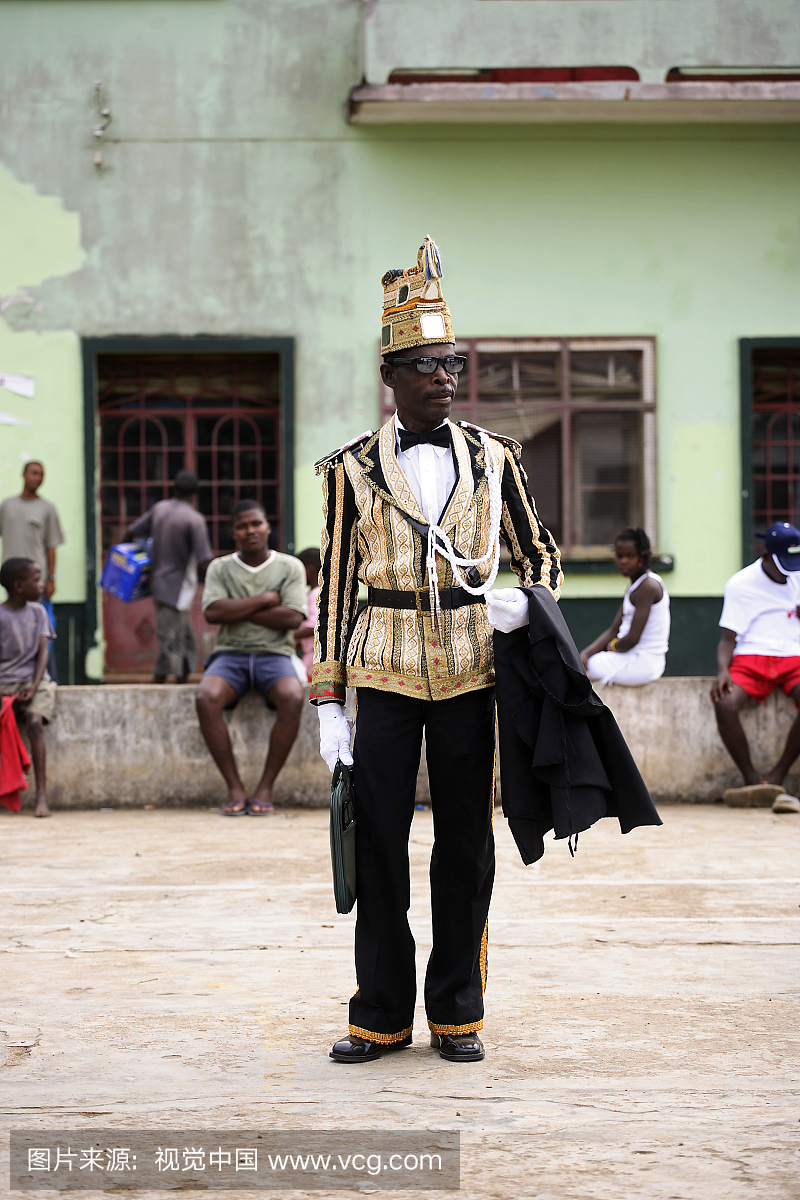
507, 609
334, 735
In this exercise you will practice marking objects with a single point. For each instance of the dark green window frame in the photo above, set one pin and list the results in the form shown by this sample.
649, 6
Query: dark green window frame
746, 348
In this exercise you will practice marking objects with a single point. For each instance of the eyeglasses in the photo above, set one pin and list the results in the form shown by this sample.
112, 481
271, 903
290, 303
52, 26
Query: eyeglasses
427, 364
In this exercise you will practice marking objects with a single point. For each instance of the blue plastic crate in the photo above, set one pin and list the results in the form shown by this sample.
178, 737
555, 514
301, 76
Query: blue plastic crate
126, 574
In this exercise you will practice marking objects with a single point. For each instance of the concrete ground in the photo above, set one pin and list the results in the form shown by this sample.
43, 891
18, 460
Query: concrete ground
173, 969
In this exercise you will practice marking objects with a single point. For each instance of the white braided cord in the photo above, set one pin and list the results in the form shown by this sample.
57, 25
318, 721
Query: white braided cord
439, 542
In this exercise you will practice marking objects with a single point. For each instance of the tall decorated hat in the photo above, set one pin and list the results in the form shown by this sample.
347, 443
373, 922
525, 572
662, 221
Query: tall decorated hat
414, 311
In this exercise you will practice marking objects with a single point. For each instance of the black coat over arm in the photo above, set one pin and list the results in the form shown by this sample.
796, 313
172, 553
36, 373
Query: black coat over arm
563, 761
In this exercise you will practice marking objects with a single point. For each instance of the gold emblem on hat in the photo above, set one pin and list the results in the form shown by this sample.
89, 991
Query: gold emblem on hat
414, 309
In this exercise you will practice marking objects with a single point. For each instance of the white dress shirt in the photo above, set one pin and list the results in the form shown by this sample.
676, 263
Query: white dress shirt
431, 473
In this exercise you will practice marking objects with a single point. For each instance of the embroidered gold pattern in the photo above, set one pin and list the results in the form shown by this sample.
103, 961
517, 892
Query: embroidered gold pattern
329, 672
398, 650
464, 492
333, 583
321, 655
418, 686
484, 957
507, 526
395, 476
470, 1027
383, 1039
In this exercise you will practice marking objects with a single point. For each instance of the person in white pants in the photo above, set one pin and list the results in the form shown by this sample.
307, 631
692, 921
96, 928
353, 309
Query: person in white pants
633, 651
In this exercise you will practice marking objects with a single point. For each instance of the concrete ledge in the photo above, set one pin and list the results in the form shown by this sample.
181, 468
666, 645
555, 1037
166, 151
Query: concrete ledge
134, 744
127, 745
672, 733
557, 103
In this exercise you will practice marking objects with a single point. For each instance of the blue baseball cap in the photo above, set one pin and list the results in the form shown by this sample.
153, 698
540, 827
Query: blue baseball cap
783, 540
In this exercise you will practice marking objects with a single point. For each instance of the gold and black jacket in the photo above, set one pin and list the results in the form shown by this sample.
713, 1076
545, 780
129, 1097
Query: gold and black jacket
368, 539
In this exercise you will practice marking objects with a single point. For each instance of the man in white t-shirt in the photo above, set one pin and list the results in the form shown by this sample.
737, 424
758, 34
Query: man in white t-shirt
759, 650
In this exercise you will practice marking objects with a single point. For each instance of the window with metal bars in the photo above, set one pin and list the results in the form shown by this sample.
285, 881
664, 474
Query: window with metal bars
584, 411
215, 414
775, 433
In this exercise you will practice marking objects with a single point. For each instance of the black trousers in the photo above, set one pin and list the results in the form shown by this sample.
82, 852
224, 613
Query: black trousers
460, 746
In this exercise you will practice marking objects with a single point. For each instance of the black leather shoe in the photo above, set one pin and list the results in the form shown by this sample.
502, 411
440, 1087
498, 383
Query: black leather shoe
458, 1047
352, 1049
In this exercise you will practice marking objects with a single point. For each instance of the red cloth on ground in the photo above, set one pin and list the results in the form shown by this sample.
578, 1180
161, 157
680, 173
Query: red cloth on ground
13, 757
760, 674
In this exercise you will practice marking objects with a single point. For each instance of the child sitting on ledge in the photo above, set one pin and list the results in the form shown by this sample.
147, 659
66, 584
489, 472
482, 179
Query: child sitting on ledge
25, 637
633, 651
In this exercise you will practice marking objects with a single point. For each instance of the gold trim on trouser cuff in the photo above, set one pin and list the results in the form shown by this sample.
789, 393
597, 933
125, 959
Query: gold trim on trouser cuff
484, 954
484, 957
493, 800
472, 1027
383, 1039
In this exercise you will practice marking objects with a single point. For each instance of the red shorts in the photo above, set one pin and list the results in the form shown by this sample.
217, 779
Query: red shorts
760, 674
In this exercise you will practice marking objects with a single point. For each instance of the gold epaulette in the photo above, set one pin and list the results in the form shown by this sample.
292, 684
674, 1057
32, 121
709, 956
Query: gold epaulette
498, 437
330, 460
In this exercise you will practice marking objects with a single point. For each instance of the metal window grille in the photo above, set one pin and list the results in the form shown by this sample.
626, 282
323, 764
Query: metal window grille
776, 438
218, 415
584, 410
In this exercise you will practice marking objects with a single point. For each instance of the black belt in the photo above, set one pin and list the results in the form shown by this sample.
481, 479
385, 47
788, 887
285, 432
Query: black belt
448, 598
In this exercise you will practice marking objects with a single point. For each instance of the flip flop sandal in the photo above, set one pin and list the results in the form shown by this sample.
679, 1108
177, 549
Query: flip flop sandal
756, 795
260, 808
229, 811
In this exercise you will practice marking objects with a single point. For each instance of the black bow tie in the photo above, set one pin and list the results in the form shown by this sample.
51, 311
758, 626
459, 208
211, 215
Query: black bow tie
435, 437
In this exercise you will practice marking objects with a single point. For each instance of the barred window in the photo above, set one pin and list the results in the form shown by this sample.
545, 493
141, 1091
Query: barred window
584, 411
775, 433
218, 415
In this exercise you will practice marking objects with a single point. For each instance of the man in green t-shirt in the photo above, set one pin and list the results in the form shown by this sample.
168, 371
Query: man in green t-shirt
257, 597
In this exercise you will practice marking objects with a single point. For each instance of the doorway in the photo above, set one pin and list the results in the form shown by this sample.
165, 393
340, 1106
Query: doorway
216, 411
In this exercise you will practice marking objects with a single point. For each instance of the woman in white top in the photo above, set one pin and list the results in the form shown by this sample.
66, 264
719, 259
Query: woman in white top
633, 651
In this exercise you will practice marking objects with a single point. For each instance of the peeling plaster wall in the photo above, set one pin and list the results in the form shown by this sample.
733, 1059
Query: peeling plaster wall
39, 241
234, 199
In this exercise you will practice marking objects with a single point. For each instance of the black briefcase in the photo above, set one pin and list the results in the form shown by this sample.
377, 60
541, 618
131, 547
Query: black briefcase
343, 837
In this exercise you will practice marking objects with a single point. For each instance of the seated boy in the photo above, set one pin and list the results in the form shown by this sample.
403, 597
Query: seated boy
258, 597
25, 637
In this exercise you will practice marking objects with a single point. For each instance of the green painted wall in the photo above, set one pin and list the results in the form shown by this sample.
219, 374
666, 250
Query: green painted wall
234, 199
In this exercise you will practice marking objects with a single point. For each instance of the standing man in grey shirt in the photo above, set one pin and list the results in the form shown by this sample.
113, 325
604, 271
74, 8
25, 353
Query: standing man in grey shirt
179, 556
30, 528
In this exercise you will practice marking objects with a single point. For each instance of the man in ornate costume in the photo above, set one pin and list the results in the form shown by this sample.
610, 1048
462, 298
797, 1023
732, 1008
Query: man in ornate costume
415, 512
